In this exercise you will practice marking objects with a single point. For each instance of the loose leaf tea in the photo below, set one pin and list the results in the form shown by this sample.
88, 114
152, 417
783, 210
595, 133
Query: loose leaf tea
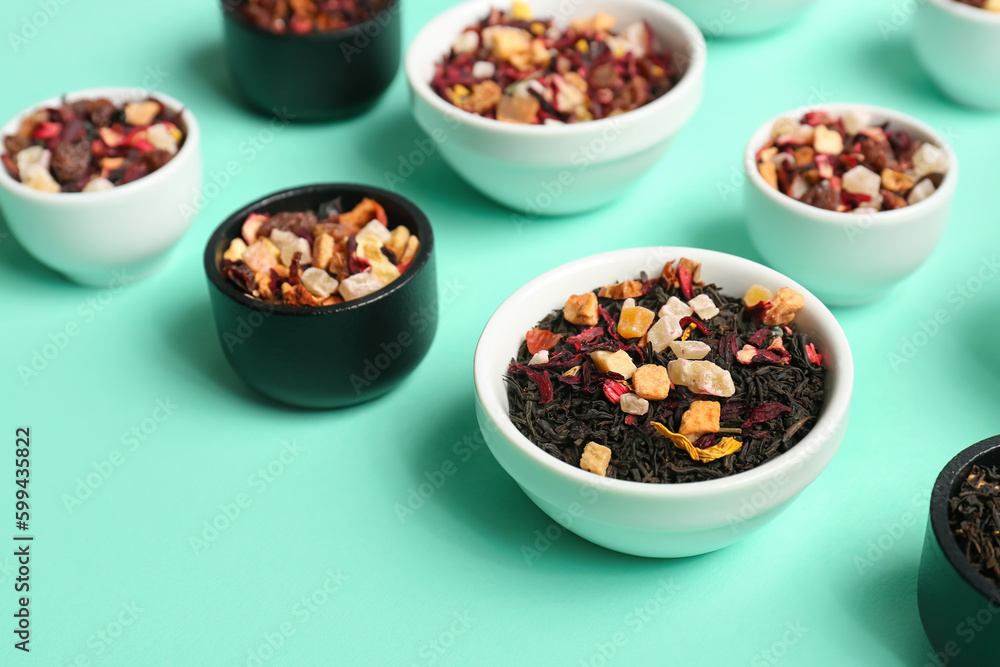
667, 379
516, 68
296, 259
975, 520
847, 164
304, 16
92, 145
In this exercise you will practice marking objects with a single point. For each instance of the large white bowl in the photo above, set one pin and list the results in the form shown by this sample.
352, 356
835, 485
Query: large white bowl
659, 520
556, 170
739, 18
88, 237
959, 46
846, 258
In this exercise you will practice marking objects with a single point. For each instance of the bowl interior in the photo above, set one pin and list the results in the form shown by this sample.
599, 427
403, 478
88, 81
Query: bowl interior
879, 115
674, 31
985, 453
398, 210
523, 310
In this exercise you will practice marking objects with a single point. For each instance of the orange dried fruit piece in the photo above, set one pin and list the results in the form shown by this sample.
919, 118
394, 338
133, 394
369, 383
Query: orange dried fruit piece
786, 303
614, 362
651, 382
701, 418
629, 289
596, 458
635, 321
518, 109
581, 309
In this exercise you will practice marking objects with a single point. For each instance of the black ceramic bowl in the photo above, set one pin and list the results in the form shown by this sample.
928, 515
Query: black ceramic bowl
959, 607
331, 356
318, 75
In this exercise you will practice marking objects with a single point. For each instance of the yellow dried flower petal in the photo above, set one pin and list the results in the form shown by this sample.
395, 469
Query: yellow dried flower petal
724, 447
687, 332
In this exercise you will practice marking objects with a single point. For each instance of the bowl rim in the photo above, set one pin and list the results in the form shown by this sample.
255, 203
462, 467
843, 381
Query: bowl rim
847, 218
968, 12
229, 13
192, 141
834, 412
234, 221
941, 495
695, 47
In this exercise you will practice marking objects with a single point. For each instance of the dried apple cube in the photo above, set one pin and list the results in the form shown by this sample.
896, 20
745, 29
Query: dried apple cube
581, 309
596, 459
700, 419
651, 382
614, 362
635, 321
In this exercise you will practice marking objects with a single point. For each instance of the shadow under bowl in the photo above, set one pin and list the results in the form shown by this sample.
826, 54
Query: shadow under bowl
330, 356
959, 607
315, 76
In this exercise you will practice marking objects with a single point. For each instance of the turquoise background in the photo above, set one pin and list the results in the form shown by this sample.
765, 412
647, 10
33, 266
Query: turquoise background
813, 588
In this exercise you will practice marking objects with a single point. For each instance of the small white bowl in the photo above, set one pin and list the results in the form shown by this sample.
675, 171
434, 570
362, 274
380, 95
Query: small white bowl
130, 229
959, 47
657, 520
846, 258
556, 170
740, 18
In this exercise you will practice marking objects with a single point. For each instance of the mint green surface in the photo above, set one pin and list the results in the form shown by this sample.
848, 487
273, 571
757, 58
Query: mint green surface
448, 584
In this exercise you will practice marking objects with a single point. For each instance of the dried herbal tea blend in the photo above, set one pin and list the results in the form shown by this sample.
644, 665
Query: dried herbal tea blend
667, 380
975, 519
989, 5
310, 259
848, 164
304, 16
516, 68
92, 145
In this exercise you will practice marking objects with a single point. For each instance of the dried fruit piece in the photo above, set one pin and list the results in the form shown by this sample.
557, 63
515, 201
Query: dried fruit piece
690, 349
635, 321
896, 181
704, 306
540, 357
319, 283
701, 418
665, 330
540, 339
786, 303
359, 285
634, 405
628, 289
701, 377
596, 458
614, 362
651, 382
581, 309
756, 294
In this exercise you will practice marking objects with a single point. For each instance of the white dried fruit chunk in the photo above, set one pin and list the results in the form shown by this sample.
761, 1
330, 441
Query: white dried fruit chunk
677, 308
920, 192
929, 159
359, 285
235, 251
298, 245
258, 257
828, 141
690, 349
98, 184
633, 405
665, 330
141, 113
162, 138
467, 42
596, 458
376, 229
484, 69
704, 306
614, 362
33, 156
539, 358
862, 181
784, 126
281, 238
702, 377
855, 120
319, 283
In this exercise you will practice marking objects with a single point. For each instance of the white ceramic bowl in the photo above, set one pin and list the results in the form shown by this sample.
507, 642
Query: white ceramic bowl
846, 258
658, 520
739, 18
959, 46
556, 170
130, 229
